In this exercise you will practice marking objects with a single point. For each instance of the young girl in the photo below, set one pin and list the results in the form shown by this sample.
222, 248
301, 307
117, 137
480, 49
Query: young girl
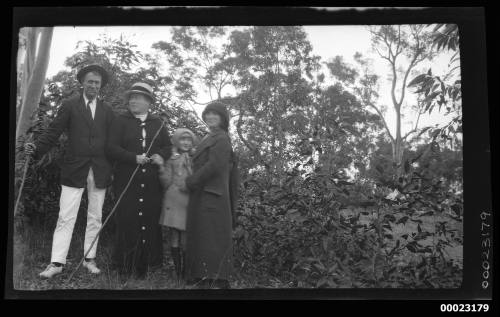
173, 173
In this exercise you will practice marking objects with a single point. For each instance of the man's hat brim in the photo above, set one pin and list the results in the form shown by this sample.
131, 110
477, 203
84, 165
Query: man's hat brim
93, 68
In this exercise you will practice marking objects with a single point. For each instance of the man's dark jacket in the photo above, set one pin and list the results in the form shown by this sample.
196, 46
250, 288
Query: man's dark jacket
86, 142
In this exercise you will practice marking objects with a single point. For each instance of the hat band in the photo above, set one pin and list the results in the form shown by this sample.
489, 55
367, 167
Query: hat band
141, 89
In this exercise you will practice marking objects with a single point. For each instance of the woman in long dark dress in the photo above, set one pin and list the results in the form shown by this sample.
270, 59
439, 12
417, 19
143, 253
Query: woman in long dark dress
209, 247
138, 244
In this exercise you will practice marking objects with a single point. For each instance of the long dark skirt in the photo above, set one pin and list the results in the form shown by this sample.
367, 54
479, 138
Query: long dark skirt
138, 244
209, 248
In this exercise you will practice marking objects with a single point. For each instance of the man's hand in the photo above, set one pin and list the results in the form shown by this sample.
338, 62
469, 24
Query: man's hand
157, 159
29, 148
141, 159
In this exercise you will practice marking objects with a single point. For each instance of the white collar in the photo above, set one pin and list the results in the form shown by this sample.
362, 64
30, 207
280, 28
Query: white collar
141, 117
92, 103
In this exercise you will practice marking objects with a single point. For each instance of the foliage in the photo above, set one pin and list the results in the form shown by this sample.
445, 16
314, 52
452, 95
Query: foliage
195, 59
273, 67
301, 237
443, 91
323, 203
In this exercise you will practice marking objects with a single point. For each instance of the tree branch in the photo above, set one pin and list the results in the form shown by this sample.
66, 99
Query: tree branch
382, 56
210, 91
414, 128
393, 86
196, 114
383, 120
389, 47
412, 64
399, 41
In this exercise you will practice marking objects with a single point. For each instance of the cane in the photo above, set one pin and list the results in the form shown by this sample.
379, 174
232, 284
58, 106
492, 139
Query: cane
26, 165
116, 204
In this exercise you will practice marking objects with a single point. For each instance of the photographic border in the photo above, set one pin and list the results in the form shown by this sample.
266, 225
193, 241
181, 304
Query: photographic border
476, 138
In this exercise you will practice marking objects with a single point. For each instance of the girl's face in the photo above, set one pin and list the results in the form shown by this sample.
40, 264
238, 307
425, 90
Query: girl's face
212, 119
185, 143
138, 103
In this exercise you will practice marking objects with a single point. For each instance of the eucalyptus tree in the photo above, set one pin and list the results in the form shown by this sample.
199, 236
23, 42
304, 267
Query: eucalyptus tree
274, 68
34, 68
403, 47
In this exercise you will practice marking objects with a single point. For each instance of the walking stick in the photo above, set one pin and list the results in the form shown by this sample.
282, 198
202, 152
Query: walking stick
26, 165
116, 204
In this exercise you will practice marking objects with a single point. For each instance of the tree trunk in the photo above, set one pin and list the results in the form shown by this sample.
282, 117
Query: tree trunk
397, 155
398, 152
30, 35
35, 69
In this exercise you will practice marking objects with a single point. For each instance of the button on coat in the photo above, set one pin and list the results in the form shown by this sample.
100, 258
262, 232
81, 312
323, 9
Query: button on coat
138, 235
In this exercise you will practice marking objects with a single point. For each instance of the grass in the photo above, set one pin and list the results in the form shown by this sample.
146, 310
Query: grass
32, 247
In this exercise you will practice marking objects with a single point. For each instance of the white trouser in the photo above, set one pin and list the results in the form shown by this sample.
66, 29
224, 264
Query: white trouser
68, 211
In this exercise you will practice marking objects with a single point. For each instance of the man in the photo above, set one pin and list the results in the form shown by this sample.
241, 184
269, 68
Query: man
86, 120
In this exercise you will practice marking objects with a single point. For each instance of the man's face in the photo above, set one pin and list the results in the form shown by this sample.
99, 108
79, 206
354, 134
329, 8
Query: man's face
91, 84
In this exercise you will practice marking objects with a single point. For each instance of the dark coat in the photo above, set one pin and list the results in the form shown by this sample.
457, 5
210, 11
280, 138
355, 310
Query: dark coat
138, 242
86, 142
209, 247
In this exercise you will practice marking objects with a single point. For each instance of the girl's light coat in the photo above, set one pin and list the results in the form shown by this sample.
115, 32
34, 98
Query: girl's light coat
173, 174
176, 197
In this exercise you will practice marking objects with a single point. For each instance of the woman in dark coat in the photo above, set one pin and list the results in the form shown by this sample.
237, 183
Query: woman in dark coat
138, 244
209, 248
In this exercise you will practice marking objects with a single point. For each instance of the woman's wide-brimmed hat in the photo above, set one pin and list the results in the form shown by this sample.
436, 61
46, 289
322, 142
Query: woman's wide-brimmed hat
93, 68
221, 110
140, 88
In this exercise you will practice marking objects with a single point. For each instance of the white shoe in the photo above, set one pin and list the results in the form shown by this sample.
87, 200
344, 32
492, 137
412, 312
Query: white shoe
91, 266
51, 270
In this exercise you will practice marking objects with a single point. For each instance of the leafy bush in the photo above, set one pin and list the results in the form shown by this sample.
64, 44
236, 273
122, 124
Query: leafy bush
316, 231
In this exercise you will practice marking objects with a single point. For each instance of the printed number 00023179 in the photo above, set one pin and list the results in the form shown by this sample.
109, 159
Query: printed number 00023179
485, 247
465, 307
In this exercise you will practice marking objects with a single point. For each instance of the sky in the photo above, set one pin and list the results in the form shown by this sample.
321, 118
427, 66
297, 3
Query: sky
327, 41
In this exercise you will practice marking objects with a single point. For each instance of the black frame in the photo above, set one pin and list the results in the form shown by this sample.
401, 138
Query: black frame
476, 138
